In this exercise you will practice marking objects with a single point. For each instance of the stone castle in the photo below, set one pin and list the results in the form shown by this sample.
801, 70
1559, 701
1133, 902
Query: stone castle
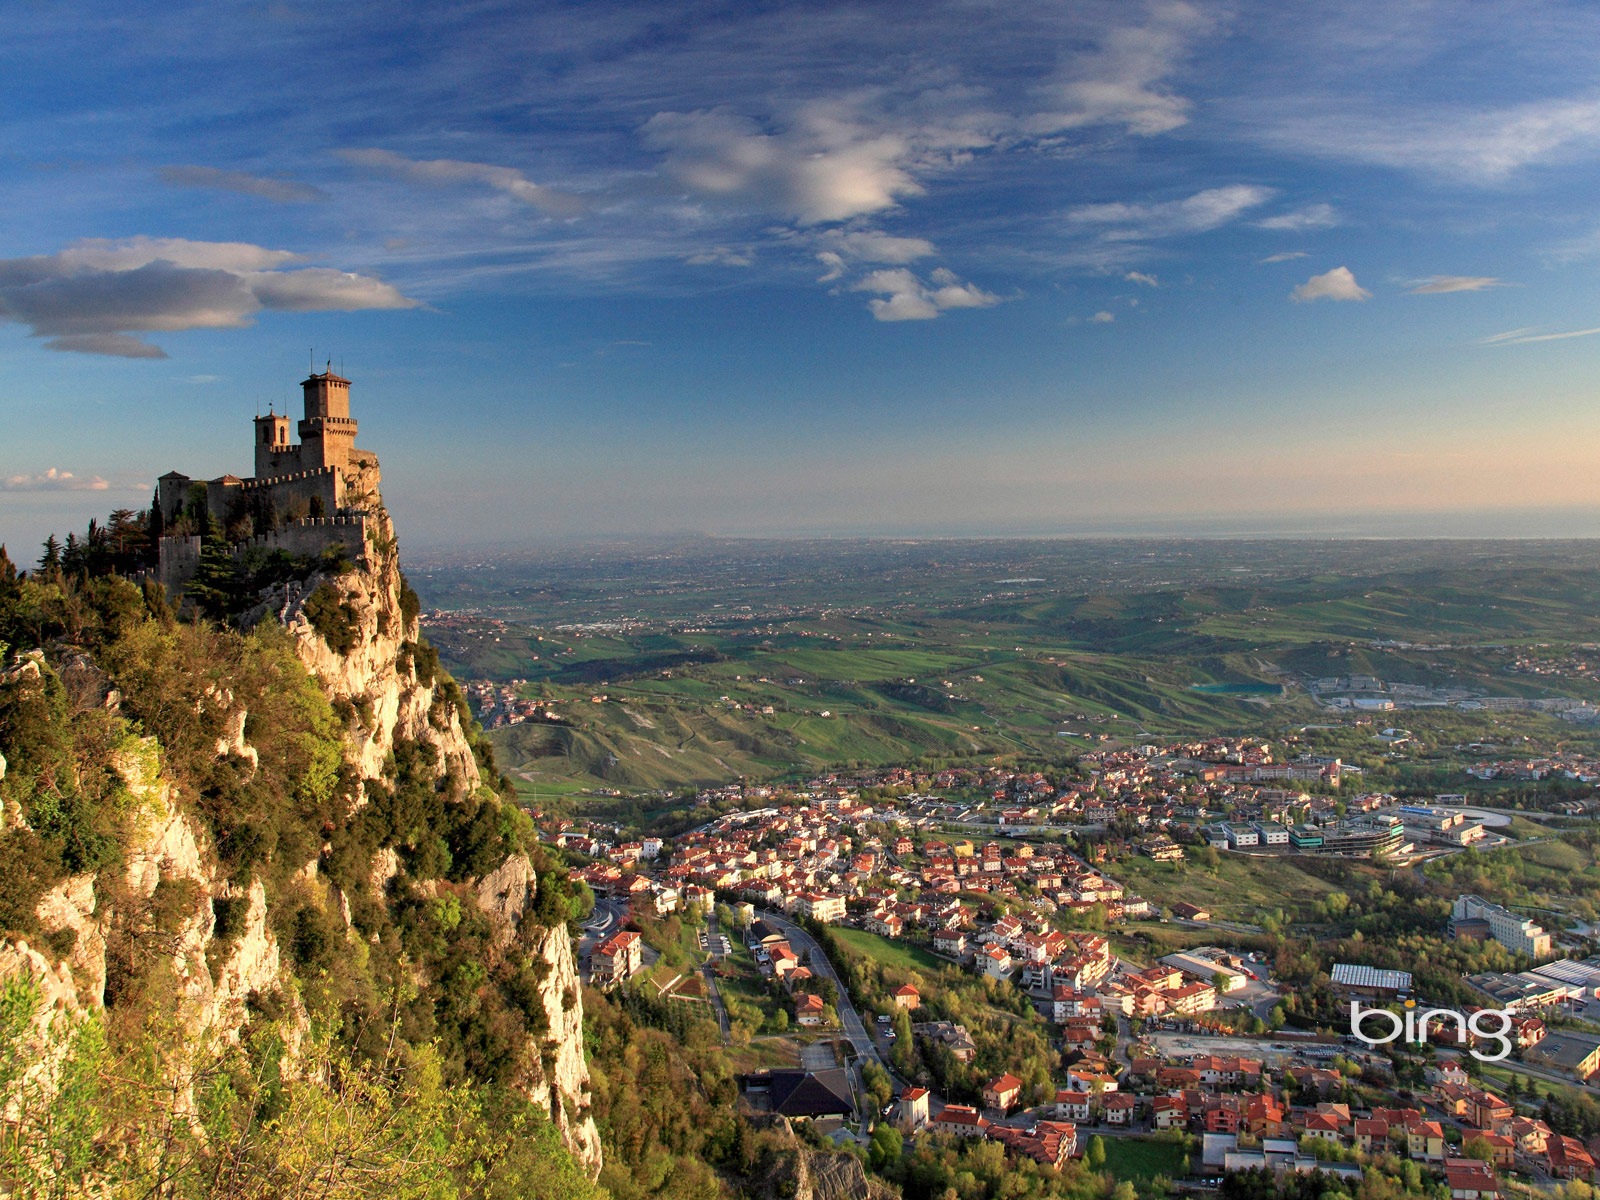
304, 497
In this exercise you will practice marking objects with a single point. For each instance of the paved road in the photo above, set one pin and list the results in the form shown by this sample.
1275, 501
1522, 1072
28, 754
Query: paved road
849, 1019
716, 1001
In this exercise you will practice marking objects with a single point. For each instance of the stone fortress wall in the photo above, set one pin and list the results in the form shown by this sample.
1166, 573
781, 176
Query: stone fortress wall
319, 494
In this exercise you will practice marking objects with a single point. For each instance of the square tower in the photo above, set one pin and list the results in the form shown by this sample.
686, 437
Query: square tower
327, 434
274, 453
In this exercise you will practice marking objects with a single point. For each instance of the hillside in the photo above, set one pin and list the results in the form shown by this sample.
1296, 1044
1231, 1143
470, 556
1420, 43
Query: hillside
696, 664
269, 926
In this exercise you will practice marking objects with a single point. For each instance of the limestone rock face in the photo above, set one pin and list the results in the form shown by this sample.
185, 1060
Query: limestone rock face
71, 905
213, 978
505, 894
377, 674
561, 1079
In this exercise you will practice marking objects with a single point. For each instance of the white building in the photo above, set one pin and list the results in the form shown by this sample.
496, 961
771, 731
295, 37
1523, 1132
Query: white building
1515, 933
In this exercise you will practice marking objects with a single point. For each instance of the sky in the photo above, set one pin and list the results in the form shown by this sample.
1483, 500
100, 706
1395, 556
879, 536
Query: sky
930, 268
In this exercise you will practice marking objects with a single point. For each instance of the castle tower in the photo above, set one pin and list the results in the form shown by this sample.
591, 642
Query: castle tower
327, 434
274, 454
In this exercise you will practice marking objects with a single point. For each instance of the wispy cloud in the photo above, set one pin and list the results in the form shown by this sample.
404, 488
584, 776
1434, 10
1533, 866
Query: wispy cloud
95, 295
1479, 146
1143, 220
1337, 284
1522, 337
905, 297
443, 172
53, 480
1123, 79
1141, 277
1285, 256
1302, 220
280, 191
722, 256
1436, 285
1102, 318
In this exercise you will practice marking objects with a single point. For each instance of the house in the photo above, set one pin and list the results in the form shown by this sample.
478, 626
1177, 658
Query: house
1002, 1093
1086, 1078
995, 962
1049, 1142
913, 1114
808, 1010
1072, 1105
1469, 1179
907, 997
961, 1120
1425, 1141
1504, 1147
1568, 1159
1190, 912
1371, 1136
1531, 1135
1119, 1108
951, 942
1169, 1112
1322, 1125
617, 958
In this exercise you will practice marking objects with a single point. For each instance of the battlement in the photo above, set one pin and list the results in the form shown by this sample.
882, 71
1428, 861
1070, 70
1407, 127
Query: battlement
306, 538
272, 481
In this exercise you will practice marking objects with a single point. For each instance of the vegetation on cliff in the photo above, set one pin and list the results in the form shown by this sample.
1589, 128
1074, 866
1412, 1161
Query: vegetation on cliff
392, 1053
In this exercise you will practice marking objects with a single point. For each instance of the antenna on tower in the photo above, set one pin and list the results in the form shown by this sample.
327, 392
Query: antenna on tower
311, 361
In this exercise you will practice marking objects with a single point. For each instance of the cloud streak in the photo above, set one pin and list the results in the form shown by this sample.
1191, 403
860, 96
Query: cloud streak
279, 191
94, 296
447, 172
1438, 285
53, 480
1523, 337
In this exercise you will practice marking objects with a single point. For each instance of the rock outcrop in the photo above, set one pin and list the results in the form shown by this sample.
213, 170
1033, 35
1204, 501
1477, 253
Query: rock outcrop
560, 1080
376, 669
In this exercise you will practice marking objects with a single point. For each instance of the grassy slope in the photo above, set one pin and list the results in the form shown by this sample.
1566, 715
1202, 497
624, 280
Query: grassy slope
1007, 675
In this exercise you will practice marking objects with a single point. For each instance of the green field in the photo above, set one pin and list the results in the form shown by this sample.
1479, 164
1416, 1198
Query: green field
1241, 889
899, 954
720, 659
1141, 1159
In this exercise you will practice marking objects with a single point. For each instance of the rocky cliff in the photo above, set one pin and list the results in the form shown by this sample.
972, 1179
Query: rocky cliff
206, 867
358, 633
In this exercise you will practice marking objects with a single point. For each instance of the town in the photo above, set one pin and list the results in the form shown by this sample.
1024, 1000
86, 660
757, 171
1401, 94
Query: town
863, 915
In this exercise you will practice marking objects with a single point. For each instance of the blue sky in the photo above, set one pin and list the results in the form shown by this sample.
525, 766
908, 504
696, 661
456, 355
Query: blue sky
809, 268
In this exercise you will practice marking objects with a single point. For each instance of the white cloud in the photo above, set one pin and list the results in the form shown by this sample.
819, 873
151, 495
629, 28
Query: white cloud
281, 191
1122, 81
831, 165
449, 171
93, 296
1315, 216
1337, 284
1141, 277
1102, 318
869, 245
53, 480
1203, 211
1440, 284
1483, 146
721, 256
1285, 256
908, 298
1522, 337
